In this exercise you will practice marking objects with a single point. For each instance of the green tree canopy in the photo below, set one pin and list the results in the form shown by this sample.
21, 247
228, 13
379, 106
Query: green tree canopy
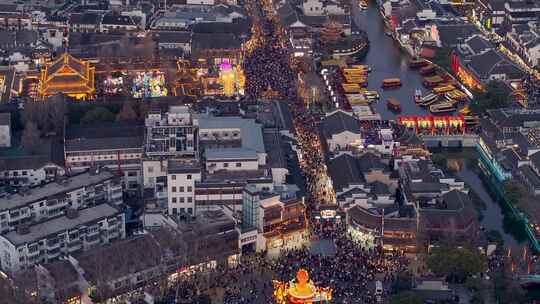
407, 297
514, 191
442, 58
456, 264
99, 114
495, 96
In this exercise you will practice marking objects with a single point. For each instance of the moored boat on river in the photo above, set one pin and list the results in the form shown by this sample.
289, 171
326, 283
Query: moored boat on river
443, 107
393, 104
391, 83
417, 96
432, 81
417, 63
428, 70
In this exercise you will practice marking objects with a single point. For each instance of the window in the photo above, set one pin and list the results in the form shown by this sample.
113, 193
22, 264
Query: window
190, 200
189, 189
15, 173
181, 189
181, 200
173, 177
174, 199
173, 189
238, 165
24, 173
150, 169
225, 165
188, 176
182, 210
174, 210
190, 210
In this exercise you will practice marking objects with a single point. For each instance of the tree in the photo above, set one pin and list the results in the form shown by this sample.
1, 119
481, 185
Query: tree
494, 97
456, 264
513, 191
30, 139
442, 58
407, 297
127, 113
99, 114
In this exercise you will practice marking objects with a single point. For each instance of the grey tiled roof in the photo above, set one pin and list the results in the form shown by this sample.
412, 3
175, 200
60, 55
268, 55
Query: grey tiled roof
339, 122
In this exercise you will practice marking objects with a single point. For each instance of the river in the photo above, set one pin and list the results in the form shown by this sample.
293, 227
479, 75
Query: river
492, 216
386, 60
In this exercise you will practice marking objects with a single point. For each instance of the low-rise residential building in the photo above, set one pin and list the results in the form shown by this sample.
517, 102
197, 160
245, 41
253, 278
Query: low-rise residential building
77, 230
114, 146
113, 22
29, 170
52, 199
171, 134
84, 22
5, 130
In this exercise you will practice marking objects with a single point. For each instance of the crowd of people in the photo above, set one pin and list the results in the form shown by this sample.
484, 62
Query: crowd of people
350, 272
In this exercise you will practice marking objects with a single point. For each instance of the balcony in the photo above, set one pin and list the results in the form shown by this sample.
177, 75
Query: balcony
51, 254
53, 245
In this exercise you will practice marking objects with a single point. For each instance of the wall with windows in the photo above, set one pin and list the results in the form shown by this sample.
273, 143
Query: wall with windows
181, 192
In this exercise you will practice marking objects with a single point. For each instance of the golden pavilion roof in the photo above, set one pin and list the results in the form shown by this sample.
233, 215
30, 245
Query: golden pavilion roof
67, 75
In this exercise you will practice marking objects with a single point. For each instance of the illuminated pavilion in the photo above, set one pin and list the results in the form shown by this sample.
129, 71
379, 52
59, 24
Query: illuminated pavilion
67, 75
301, 290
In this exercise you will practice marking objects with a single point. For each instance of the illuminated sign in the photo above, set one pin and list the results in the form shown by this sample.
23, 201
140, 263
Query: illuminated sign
328, 214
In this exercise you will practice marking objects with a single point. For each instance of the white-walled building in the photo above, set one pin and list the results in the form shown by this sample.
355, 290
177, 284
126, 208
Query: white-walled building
341, 131
181, 178
30, 170
52, 199
5, 130
171, 133
77, 230
116, 147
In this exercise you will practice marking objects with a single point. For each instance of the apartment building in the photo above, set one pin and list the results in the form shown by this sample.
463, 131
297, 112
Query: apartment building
75, 231
171, 133
181, 178
52, 199
115, 146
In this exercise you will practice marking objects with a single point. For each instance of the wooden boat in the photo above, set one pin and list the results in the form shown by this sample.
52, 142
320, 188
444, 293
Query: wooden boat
427, 70
372, 95
432, 81
471, 120
443, 89
456, 95
391, 83
417, 63
465, 111
428, 99
417, 96
393, 104
443, 107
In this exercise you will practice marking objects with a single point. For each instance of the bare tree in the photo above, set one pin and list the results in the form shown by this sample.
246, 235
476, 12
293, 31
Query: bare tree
56, 106
30, 138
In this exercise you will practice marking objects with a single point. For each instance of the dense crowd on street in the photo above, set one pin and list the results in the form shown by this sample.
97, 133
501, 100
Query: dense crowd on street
350, 272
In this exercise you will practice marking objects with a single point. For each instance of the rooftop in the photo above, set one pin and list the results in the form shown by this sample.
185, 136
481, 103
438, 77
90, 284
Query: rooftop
250, 131
62, 223
338, 122
54, 188
104, 136
230, 153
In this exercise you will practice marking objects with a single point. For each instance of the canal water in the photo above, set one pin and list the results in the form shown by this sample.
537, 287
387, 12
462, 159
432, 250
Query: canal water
387, 60
492, 215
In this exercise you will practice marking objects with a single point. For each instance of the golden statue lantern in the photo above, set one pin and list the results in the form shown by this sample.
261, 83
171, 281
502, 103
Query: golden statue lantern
301, 290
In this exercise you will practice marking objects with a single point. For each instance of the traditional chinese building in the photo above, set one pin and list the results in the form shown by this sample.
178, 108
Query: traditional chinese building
67, 75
